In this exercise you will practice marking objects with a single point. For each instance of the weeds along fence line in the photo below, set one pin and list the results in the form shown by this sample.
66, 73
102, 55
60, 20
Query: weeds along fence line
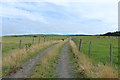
80, 45
12, 43
36, 40
22, 43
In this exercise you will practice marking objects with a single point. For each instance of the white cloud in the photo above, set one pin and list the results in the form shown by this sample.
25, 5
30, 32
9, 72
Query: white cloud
97, 16
11, 11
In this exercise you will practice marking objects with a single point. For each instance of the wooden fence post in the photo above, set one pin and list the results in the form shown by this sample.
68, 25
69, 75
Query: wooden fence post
20, 44
44, 39
26, 47
33, 41
39, 40
90, 47
0, 45
80, 44
111, 54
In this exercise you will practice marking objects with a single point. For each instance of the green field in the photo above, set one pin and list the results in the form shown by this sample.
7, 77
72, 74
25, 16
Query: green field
100, 51
12, 43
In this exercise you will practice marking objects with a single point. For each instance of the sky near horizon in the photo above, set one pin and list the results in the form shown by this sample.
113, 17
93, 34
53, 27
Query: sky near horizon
60, 16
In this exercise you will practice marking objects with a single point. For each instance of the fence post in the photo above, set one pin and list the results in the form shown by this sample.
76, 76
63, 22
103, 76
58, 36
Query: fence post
0, 45
44, 39
90, 47
26, 47
20, 44
33, 41
80, 44
39, 40
111, 54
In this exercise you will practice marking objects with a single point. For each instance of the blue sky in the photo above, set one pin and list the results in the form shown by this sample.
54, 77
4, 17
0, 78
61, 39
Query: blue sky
61, 17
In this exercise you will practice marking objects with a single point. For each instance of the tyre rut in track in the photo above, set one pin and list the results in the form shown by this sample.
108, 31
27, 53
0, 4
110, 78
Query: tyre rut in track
63, 68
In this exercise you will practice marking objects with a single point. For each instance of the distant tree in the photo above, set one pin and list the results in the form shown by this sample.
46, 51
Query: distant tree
117, 33
34, 36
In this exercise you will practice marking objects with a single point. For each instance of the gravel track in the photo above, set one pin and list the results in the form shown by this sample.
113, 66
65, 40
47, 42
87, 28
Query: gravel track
63, 68
28, 67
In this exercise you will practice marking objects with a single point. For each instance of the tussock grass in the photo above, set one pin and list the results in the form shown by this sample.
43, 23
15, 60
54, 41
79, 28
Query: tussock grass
106, 71
46, 67
86, 67
19, 56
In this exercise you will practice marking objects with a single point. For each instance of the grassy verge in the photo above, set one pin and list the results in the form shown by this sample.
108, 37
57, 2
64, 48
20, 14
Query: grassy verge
46, 67
75, 65
86, 67
18, 57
